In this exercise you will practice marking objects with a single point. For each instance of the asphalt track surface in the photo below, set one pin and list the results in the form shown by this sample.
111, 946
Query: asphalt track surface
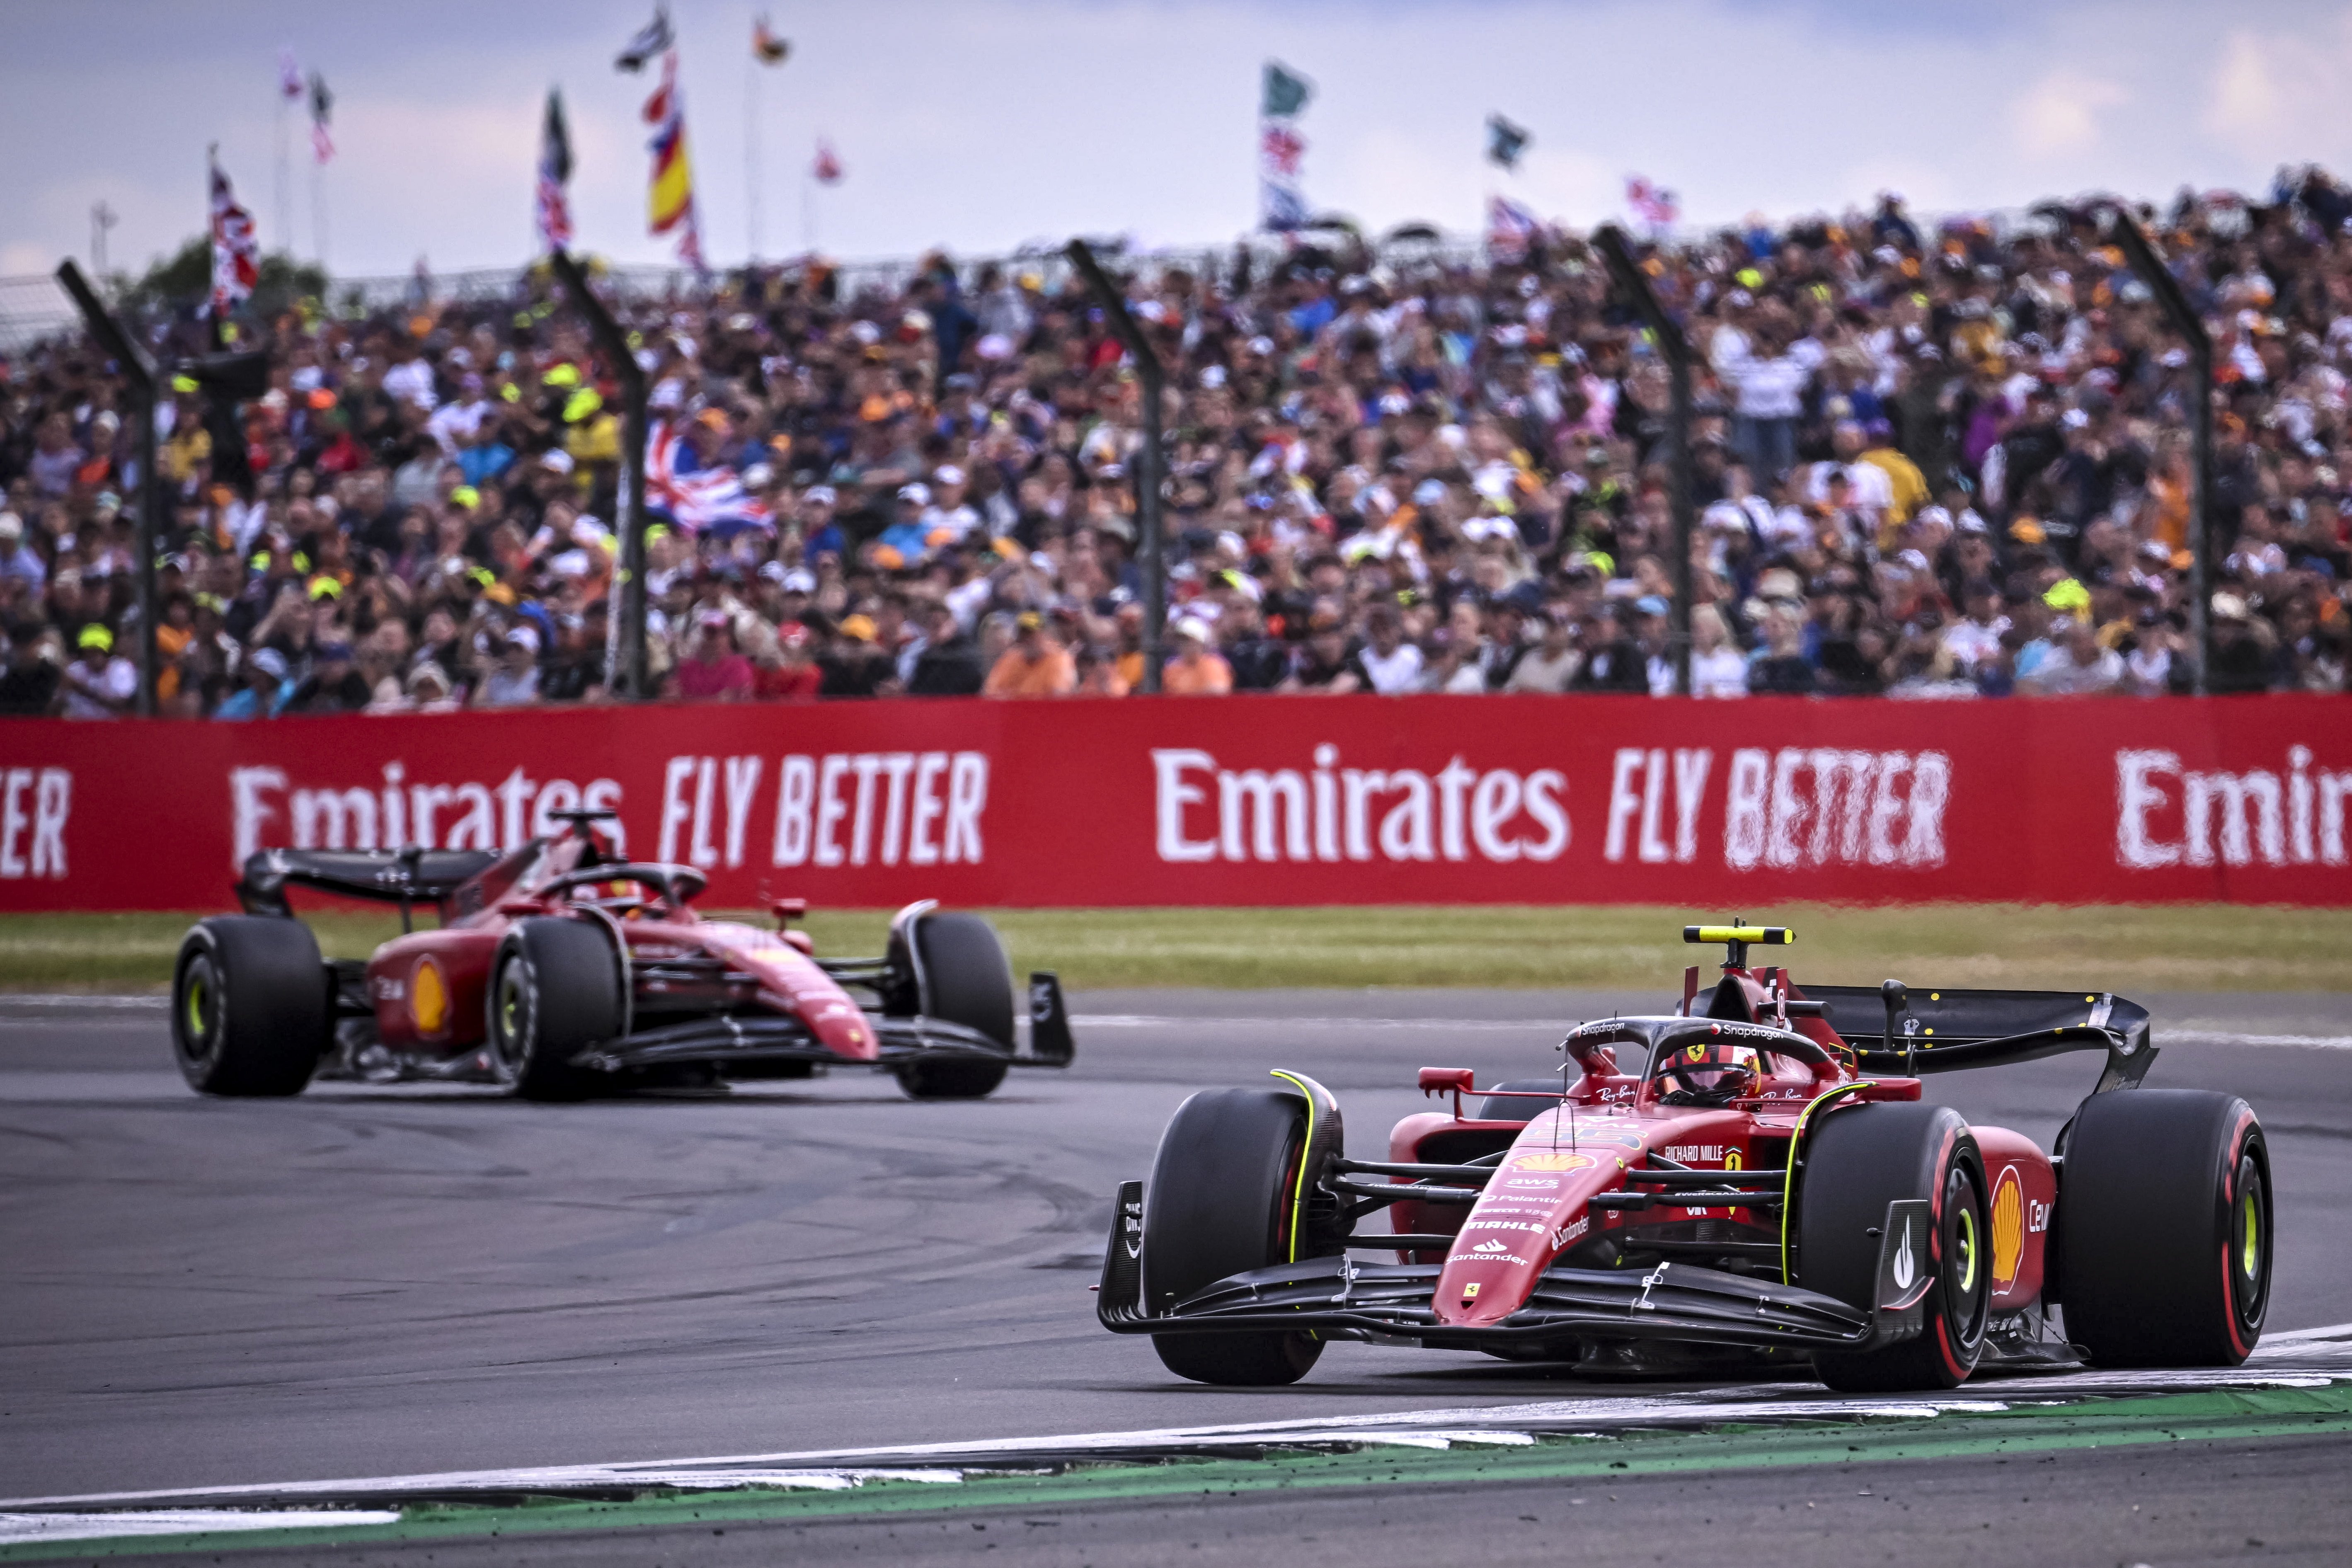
377, 1282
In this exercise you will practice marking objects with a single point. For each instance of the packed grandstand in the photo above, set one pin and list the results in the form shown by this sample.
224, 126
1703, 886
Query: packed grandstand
1934, 459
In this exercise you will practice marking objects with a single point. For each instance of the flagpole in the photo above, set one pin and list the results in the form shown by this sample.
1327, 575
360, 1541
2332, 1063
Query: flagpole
213, 307
752, 155
319, 211
285, 182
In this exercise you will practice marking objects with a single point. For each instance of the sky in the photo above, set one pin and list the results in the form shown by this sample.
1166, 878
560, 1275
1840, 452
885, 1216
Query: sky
985, 124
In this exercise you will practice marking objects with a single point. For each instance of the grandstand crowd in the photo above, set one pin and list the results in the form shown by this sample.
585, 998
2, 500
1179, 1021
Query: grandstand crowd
1933, 460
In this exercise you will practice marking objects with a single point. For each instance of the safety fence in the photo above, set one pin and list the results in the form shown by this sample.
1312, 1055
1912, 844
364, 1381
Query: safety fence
1270, 801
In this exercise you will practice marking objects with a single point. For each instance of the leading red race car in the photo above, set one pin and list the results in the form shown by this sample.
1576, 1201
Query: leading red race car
558, 968
1751, 1176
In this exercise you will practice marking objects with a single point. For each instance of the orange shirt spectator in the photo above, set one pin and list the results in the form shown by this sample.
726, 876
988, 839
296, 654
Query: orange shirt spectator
1034, 666
1195, 671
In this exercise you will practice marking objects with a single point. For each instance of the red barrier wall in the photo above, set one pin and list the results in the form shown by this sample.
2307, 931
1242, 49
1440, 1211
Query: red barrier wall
1712, 806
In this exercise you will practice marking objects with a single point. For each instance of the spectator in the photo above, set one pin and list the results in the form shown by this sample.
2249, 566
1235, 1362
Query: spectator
2077, 665
1387, 471
1717, 668
513, 681
29, 688
1034, 666
790, 673
713, 670
1553, 663
1197, 669
98, 684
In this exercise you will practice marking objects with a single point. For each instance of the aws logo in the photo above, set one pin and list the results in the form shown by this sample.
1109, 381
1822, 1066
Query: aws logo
1553, 1163
428, 998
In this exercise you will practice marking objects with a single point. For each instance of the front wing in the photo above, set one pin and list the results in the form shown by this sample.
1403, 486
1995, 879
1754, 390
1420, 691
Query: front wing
724, 1039
1392, 1303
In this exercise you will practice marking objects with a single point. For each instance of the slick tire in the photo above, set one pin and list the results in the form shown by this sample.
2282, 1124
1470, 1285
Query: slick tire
1857, 1161
2163, 1228
555, 988
1219, 1203
250, 1007
966, 980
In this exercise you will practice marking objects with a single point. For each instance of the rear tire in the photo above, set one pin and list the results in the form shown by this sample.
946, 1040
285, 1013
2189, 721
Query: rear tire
250, 1013
2163, 1228
1218, 1204
1857, 1161
555, 989
966, 980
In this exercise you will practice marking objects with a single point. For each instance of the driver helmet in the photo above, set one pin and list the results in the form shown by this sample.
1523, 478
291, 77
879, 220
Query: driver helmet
1710, 1072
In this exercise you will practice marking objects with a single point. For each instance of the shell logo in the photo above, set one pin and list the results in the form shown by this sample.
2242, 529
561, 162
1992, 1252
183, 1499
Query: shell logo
428, 997
1553, 1163
2008, 1227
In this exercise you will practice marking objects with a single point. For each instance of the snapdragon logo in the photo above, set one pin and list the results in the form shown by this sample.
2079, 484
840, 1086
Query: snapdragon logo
1331, 813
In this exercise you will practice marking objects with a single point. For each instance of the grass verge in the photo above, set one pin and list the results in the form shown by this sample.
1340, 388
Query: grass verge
2169, 948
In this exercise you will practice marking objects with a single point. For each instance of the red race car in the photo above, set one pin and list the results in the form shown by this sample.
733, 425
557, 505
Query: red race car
557, 969
1750, 1177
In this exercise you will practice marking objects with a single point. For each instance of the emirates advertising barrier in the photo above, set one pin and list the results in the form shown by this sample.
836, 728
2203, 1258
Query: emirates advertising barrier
1711, 806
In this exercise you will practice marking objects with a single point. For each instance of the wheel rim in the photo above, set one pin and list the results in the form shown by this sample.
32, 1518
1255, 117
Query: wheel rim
510, 1018
198, 1011
2250, 1257
1966, 1296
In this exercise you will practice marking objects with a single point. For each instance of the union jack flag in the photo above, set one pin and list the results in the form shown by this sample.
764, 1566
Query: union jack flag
237, 252
1650, 203
711, 500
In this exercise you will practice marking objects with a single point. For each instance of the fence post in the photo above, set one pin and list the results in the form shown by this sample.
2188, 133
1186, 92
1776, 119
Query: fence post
2133, 242
625, 646
1633, 285
140, 371
1150, 461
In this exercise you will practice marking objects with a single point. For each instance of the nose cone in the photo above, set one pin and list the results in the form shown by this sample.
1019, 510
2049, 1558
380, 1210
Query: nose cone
1516, 1228
789, 977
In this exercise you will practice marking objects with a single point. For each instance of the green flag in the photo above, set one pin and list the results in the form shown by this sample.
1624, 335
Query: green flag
1286, 93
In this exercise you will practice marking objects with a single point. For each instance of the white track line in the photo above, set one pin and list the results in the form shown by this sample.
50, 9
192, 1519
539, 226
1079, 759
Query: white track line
19, 1528
2304, 1359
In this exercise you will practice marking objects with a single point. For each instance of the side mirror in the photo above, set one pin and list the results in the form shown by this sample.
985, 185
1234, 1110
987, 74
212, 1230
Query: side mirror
1458, 1082
787, 910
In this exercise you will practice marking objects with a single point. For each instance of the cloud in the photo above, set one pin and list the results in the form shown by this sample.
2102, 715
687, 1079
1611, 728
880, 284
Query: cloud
2270, 93
2059, 115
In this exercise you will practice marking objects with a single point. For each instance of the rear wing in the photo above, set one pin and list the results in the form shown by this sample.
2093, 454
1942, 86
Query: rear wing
391, 875
1942, 1030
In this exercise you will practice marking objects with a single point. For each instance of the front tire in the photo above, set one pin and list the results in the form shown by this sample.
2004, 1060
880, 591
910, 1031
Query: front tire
965, 979
555, 989
1220, 1202
249, 1006
1858, 1161
2163, 1228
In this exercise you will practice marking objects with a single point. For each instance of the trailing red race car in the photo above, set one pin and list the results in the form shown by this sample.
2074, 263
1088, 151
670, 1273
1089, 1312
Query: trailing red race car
1749, 1176
558, 968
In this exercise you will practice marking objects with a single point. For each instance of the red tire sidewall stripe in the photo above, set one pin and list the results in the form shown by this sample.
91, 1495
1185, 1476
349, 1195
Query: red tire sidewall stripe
2229, 1207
